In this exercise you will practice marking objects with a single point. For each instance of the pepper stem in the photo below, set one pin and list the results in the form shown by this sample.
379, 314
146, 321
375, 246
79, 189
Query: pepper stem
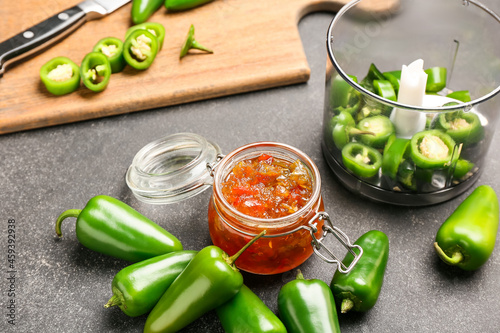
299, 276
233, 258
347, 304
455, 258
113, 301
68, 213
191, 43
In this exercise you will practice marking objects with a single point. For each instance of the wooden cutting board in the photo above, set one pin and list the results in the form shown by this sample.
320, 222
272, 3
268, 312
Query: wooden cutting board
256, 43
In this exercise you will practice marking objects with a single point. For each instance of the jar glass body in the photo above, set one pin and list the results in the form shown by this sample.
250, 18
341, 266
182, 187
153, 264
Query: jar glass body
287, 242
458, 35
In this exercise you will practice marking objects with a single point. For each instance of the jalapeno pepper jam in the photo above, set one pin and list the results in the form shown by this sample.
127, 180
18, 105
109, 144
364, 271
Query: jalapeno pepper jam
268, 187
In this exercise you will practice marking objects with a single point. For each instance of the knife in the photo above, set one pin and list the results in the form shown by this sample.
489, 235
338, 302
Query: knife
53, 29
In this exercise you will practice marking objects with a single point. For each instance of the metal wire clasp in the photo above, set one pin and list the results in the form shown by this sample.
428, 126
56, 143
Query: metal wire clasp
212, 166
341, 237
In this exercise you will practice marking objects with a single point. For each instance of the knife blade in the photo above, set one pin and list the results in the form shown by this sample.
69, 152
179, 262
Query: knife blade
53, 29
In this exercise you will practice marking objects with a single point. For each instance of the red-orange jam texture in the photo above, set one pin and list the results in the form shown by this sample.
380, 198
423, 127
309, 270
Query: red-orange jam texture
268, 187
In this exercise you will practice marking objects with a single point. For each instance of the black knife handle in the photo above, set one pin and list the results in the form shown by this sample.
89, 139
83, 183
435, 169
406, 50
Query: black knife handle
40, 36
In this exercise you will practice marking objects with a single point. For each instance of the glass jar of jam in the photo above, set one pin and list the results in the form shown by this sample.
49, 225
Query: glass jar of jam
260, 186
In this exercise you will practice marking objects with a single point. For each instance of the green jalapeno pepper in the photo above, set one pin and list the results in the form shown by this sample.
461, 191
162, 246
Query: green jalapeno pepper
307, 306
140, 49
138, 287
246, 313
60, 76
207, 282
178, 5
384, 89
381, 128
344, 128
394, 77
112, 48
111, 227
359, 289
462, 168
155, 29
436, 79
191, 43
361, 160
373, 74
432, 149
461, 95
143, 9
95, 71
407, 175
463, 127
343, 97
394, 154
369, 111
467, 238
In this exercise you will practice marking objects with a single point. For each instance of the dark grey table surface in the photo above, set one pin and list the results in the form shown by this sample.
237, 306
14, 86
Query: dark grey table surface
60, 286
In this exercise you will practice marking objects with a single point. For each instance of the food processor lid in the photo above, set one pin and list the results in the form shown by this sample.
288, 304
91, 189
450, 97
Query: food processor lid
173, 168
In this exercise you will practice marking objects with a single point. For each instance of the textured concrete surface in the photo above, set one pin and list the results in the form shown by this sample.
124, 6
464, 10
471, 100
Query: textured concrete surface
60, 286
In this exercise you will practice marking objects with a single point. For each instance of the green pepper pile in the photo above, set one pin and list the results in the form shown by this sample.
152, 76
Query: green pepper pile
361, 134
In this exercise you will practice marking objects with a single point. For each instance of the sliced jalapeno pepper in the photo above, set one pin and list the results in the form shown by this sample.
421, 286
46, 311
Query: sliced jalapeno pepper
155, 29
140, 49
368, 111
343, 97
461, 95
95, 71
394, 154
462, 168
406, 175
433, 149
463, 127
112, 48
436, 79
178, 5
191, 43
143, 9
361, 160
373, 74
384, 89
381, 127
60, 76
394, 77
343, 129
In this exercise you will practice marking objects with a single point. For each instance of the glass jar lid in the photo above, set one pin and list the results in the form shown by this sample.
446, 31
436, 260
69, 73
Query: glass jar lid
172, 168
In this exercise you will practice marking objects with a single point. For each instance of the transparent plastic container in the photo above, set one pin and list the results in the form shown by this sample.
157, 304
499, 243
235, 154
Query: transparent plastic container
461, 36
182, 165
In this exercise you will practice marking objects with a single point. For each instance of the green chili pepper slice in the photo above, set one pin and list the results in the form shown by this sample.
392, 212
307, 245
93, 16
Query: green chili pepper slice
155, 29
112, 48
359, 289
143, 9
140, 49
384, 89
461, 95
406, 175
191, 43
436, 79
394, 77
362, 160
343, 96
373, 74
467, 238
111, 227
246, 312
463, 127
432, 149
179, 5
307, 306
394, 154
95, 71
207, 282
381, 127
138, 287
60, 76
462, 169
